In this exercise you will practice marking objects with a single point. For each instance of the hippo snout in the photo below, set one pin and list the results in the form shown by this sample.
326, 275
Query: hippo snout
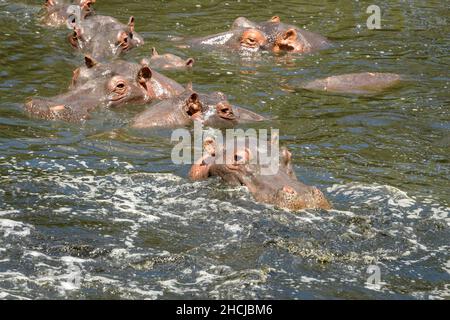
43, 108
49, 110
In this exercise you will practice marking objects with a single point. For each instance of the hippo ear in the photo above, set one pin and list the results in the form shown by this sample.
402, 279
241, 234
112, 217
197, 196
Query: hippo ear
131, 24
154, 52
193, 106
86, 4
194, 98
145, 74
291, 35
90, 62
75, 36
144, 77
275, 19
49, 3
190, 62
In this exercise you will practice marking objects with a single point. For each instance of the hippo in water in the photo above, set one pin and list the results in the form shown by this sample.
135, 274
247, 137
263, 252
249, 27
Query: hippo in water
168, 61
235, 164
212, 110
103, 37
272, 35
354, 83
162, 86
57, 12
109, 85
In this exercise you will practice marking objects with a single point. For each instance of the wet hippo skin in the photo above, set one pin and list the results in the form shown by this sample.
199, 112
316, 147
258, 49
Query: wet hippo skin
104, 37
168, 61
55, 12
212, 110
272, 35
354, 83
112, 85
281, 188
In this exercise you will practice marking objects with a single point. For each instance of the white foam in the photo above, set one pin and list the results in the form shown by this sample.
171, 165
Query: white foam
15, 228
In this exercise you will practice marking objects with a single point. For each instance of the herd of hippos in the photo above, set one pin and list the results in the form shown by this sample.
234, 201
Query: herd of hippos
106, 81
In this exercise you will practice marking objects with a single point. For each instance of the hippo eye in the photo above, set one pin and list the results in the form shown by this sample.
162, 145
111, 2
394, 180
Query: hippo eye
120, 85
251, 41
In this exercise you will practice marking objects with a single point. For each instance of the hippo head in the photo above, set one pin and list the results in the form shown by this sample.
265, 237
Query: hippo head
236, 164
56, 11
211, 110
290, 40
114, 41
94, 70
111, 90
214, 110
167, 61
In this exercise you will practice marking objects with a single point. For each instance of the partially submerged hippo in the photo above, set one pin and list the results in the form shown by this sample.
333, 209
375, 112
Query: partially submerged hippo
103, 37
355, 83
238, 167
162, 86
273, 35
110, 90
56, 12
212, 110
168, 61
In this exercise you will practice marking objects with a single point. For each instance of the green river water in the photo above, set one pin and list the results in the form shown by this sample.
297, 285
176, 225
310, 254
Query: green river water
97, 210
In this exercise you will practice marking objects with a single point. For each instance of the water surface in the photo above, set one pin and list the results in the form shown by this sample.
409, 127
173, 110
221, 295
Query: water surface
99, 211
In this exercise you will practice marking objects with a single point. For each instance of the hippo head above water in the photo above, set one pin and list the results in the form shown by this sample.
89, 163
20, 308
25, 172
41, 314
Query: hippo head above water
235, 164
272, 35
104, 37
212, 110
111, 90
56, 12
162, 86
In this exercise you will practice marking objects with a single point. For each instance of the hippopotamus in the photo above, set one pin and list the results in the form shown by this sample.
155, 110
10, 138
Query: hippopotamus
211, 109
235, 164
121, 84
354, 83
56, 12
104, 37
162, 86
272, 35
167, 61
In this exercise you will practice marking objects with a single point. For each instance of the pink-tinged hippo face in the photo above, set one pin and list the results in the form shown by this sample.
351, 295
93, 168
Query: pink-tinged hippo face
111, 91
56, 12
211, 110
103, 37
235, 165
